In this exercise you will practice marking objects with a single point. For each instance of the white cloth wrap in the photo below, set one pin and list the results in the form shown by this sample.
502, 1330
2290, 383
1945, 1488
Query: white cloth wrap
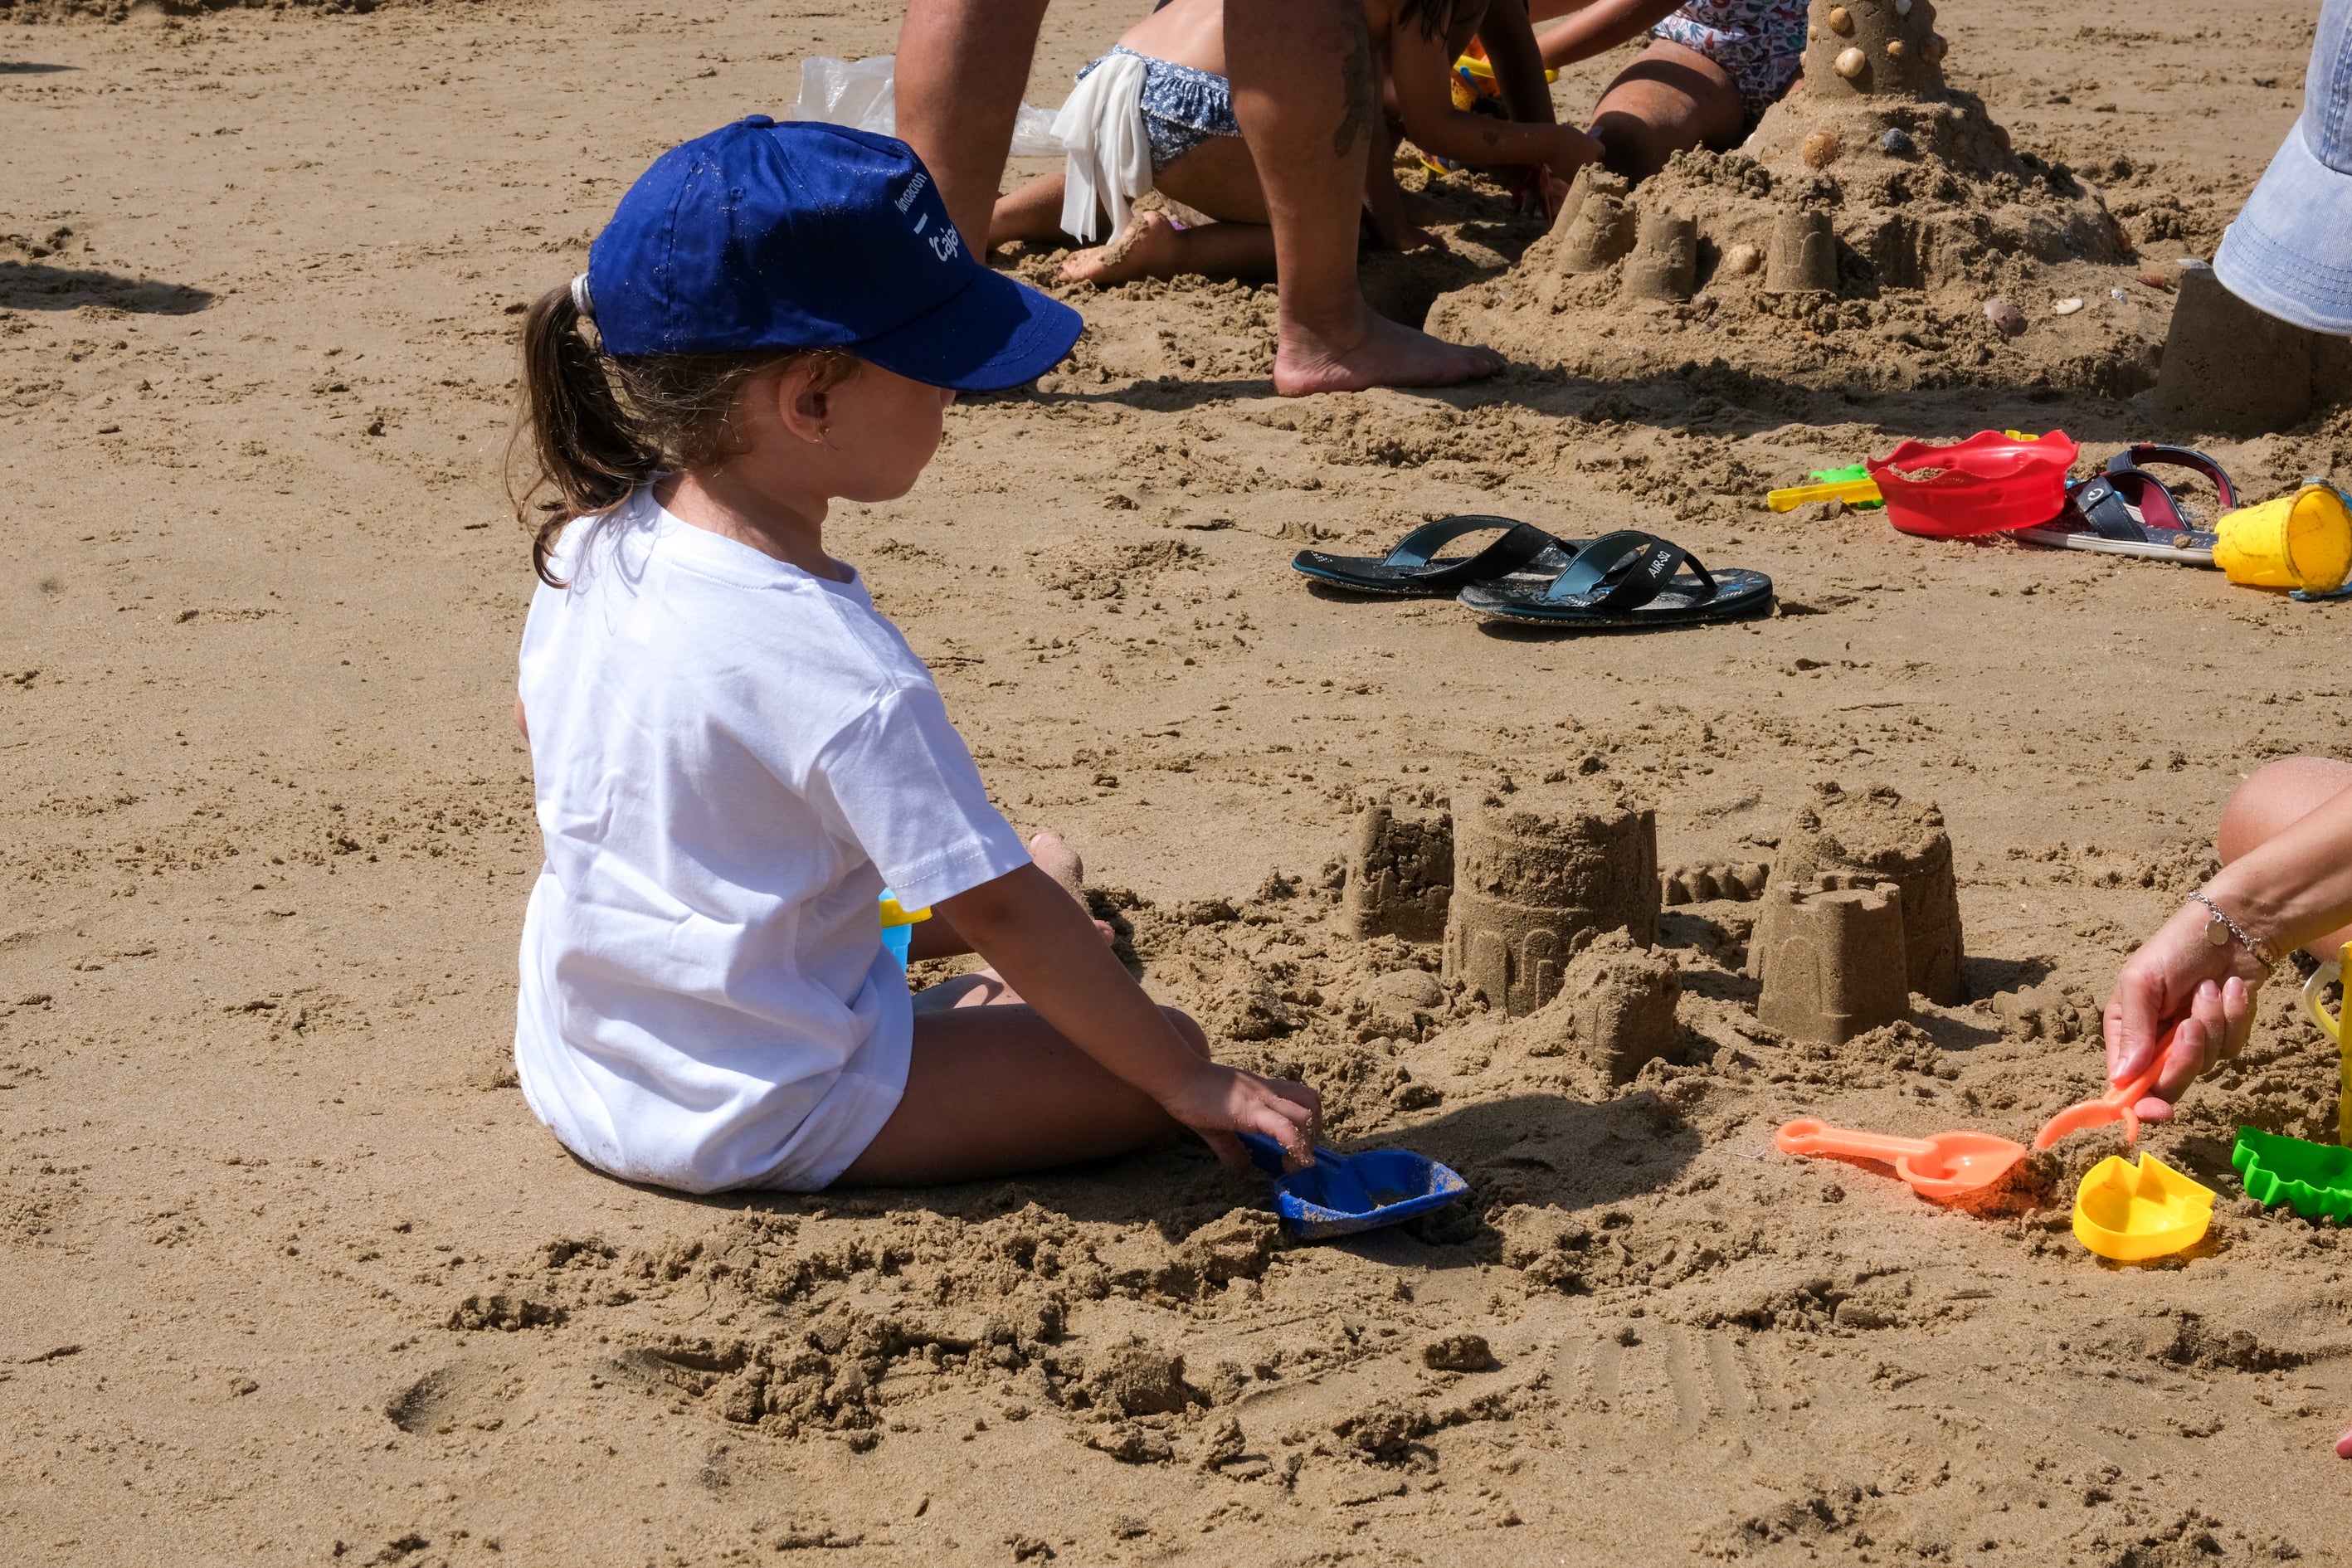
1109, 161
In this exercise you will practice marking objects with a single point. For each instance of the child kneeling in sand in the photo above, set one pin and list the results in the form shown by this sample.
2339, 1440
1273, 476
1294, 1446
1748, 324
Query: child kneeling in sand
1156, 112
734, 751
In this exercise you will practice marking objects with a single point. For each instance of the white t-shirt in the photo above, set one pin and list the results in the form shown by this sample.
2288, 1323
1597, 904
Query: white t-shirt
732, 759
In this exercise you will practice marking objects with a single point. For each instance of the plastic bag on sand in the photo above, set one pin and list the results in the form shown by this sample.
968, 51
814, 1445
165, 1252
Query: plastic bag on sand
863, 95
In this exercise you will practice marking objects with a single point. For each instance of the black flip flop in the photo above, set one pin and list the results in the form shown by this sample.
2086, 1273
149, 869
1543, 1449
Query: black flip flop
1628, 581
1407, 570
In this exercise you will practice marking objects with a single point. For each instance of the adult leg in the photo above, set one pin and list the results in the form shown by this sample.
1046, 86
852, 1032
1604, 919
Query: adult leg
961, 66
993, 1091
1309, 130
1670, 98
2275, 797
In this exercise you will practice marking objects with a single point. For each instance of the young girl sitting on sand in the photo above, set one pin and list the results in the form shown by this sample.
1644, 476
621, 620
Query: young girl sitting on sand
734, 751
1166, 79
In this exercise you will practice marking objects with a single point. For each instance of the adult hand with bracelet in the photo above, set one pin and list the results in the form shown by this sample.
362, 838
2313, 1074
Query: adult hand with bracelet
2286, 840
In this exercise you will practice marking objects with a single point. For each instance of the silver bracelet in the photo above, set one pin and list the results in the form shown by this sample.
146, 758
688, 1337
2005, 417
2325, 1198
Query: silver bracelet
2221, 928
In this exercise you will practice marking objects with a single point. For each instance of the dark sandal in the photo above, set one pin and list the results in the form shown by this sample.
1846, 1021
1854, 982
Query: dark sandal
1626, 580
2125, 511
1409, 569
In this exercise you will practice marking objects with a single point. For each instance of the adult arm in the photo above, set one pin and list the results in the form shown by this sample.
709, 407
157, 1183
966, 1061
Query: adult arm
1600, 26
2196, 1000
1035, 936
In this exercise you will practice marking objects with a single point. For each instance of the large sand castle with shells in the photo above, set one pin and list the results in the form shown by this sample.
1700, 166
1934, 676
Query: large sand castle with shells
1877, 230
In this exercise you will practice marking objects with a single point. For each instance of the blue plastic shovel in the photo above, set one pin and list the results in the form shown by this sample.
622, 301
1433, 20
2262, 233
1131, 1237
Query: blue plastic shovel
1342, 1194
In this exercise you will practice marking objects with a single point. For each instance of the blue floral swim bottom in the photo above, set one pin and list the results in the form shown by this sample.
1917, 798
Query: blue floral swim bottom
1760, 44
1183, 106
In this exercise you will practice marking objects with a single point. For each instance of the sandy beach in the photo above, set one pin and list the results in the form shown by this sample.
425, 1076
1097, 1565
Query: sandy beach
290, 1274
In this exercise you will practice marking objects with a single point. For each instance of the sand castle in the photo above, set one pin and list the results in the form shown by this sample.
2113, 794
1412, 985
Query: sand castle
1535, 874
1832, 956
1400, 875
1877, 228
2235, 370
1874, 836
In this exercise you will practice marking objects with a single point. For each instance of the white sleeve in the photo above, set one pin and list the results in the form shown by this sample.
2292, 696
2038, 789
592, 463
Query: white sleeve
901, 781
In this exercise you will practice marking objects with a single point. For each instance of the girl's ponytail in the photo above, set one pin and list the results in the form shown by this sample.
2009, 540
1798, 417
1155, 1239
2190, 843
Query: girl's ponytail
582, 444
598, 425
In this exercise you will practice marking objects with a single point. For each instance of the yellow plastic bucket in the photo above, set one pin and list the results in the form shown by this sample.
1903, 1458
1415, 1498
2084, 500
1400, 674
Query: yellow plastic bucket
2332, 1025
2300, 541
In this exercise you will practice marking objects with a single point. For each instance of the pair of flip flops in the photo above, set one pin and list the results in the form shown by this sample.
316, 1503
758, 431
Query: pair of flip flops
2127, 511
1626, 580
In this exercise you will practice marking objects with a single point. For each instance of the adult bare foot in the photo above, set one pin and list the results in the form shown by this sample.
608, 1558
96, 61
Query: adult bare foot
1145, 250
1373, 351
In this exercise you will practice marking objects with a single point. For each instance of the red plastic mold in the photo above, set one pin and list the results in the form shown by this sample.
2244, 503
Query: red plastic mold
1991, 481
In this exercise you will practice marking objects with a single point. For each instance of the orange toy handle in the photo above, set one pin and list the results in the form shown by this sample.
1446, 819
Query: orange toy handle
1807, 1136
2125, 1098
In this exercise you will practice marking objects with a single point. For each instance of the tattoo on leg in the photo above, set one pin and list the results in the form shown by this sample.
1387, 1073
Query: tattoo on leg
1358, 80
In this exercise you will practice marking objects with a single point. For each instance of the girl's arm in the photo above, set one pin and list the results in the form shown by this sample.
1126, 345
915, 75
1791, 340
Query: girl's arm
1424, 81
1509, 40
1598, 28
1045, 947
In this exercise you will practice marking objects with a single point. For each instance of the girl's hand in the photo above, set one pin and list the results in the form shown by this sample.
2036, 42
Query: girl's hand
1218, 1101
2180, 984
1574, 150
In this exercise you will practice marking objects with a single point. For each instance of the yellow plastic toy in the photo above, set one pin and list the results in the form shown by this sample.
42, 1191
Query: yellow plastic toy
1473, 78
2132, 1214
1863, 491
2299, 541
898, 924
2332, 1025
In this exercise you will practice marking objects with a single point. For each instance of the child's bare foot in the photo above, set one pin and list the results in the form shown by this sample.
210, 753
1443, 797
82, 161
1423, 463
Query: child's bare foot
1059, 861
1403, 236
1422, 210
1146, 249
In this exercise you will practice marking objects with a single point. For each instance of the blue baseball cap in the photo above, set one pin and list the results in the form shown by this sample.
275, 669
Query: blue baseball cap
808, 236
2289, 250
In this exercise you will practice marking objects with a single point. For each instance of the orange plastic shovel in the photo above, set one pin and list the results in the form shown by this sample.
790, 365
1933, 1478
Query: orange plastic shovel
2118, 1104
1947, 1166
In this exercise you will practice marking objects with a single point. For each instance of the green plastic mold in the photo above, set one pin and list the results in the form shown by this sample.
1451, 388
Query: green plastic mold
2313, 1179
1844, 476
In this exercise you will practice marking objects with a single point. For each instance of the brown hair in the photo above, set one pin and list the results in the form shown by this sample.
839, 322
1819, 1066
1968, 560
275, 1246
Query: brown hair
597, 425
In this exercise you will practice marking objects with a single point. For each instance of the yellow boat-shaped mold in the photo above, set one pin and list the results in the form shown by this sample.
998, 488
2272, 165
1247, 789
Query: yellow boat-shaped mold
2132, 1214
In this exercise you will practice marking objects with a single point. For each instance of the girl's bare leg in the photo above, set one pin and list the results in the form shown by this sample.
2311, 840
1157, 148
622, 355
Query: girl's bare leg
1670, 98
1216, 179
1154, 248
1033, 212
997, 1089
985, 987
